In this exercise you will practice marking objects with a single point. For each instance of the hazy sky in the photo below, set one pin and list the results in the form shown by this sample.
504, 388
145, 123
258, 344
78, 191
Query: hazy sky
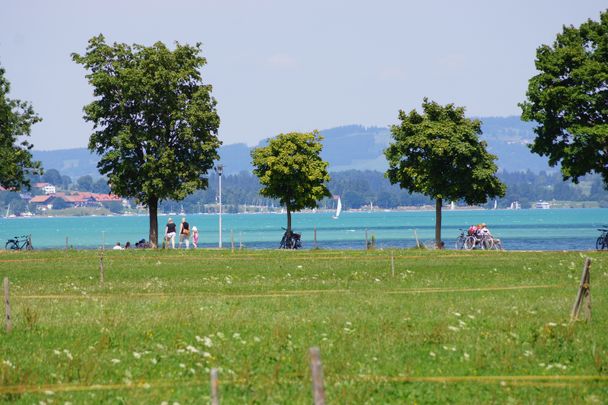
279, 65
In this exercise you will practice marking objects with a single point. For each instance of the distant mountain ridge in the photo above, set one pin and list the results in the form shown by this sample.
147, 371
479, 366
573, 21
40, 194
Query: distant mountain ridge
345, 148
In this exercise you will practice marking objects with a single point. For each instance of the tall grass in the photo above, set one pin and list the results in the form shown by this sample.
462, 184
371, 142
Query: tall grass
162, 319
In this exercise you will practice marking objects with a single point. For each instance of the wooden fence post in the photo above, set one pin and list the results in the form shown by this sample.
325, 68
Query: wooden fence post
584, 293
231, 241
215, 399
392, 264
316, 368
7, 303
366, 242
101, 275
315, 236
66, 243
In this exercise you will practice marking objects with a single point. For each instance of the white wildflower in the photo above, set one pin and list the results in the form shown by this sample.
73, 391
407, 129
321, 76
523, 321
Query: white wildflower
551, 324
137, 355
453, 328
256, 339
466, 356
207, 341
457, 314
432, 354
115, 361
182, 365
236, 335
192, 349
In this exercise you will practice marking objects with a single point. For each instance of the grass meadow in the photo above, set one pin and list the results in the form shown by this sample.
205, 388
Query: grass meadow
446, 327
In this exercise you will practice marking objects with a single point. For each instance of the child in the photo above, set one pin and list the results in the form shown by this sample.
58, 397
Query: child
194, 237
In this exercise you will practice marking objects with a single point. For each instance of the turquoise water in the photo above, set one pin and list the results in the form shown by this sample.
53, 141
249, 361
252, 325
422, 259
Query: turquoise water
553, 229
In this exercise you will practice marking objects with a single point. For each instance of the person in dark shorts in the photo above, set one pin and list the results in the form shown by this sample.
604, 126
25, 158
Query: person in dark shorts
170, 232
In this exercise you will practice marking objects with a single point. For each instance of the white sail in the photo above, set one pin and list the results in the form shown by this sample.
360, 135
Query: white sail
338, 208
495, 204
452, 205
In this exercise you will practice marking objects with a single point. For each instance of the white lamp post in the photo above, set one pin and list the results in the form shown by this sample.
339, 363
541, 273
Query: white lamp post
219, 169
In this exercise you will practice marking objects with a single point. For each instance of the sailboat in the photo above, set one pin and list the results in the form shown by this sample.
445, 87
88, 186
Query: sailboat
495, 204
338, 208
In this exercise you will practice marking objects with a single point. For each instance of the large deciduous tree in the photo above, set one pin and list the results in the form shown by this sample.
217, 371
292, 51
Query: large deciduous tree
568, 99
16, 120
155, 121
290, 169
438, 153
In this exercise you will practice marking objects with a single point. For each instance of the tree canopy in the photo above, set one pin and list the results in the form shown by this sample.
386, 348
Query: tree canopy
155, 121
290, 168
438, 153
568, 99
16, 120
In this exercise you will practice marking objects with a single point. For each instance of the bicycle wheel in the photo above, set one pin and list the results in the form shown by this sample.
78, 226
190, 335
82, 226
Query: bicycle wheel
29, 246
11, 245
487, 243
459, 243
599, 243
469, 242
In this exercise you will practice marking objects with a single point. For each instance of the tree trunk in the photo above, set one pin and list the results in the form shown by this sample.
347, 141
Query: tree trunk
438, 205
288, 220
153, 210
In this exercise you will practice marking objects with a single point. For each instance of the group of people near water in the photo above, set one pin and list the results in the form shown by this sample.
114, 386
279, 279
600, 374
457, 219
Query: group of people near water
185, 233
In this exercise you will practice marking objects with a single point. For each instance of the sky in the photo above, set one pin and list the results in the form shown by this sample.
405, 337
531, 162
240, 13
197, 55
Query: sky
280, 66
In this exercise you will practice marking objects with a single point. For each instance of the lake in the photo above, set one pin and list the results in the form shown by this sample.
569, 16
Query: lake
528, 229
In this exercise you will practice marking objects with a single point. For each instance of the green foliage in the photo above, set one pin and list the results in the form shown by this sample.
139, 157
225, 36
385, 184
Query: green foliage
53, 177
85, 183
439, 154
568, 99
16, 120
155, 121
290, 168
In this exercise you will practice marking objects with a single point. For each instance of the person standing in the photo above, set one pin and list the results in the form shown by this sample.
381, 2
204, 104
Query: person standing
184, 233
170, 232
194, 237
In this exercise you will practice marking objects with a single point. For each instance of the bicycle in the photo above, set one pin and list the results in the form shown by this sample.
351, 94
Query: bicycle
484, 242
19, 243
461, 240
602, 241
291, 240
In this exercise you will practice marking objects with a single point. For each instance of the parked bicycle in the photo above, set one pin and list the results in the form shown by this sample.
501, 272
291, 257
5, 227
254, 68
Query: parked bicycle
20, 243
602, 241
291, 240
486, 242
461, 239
